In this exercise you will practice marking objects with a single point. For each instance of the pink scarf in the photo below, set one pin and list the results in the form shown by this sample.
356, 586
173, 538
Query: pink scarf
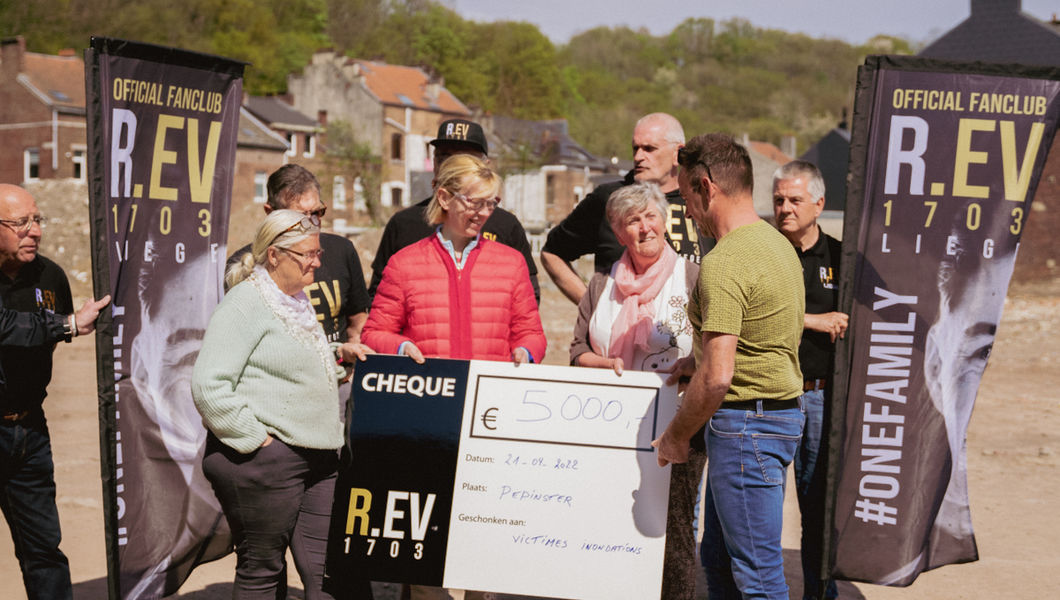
636, 320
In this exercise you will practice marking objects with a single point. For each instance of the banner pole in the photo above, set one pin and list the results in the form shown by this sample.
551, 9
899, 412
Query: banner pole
101, 287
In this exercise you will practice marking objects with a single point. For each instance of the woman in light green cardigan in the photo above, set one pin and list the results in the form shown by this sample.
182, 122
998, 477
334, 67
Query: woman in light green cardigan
265, 385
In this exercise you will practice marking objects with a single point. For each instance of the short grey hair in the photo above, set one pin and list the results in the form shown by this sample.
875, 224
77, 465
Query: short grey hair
634, 198
673, 131
802, 168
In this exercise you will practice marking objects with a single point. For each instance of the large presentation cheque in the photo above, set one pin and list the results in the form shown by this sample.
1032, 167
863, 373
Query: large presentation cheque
481, 475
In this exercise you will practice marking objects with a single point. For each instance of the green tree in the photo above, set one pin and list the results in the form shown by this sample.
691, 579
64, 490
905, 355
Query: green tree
353, 159
523, 77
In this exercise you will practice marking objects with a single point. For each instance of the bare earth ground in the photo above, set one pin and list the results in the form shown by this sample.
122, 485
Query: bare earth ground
1013, 460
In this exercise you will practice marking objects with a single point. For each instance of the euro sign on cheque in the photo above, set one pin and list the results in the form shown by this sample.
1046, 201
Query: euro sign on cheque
479, 475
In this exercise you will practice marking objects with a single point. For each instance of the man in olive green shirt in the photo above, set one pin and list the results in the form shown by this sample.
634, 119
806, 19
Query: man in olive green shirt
747, 314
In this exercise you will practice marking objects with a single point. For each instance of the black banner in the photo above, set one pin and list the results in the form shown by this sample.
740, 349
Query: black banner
162, 126
945, 160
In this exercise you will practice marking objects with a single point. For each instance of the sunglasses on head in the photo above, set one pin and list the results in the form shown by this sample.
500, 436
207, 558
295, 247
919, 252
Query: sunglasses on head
305, 224
687, 160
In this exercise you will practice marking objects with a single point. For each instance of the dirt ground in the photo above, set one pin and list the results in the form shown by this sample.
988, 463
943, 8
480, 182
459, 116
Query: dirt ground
1013, 461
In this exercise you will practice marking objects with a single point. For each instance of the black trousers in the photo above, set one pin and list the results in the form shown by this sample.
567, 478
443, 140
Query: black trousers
275, 498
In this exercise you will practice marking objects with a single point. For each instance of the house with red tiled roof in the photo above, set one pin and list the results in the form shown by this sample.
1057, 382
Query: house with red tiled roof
765, 159
42, 114
42, 131
394, 110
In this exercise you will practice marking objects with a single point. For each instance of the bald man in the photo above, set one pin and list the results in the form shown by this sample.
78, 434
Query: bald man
39, 290
656, 140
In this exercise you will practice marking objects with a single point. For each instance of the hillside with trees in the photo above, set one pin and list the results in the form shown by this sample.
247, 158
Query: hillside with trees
714, 76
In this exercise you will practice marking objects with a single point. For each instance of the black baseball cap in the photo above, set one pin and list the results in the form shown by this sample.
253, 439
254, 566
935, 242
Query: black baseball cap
464, 131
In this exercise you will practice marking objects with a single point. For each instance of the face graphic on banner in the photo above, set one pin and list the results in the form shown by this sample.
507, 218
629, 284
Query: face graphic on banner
164, 352
972, 291
173, 303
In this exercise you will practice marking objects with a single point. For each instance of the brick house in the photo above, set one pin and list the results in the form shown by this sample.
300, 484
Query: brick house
42, 114
394, 110
42, 131
546, 171
259, 152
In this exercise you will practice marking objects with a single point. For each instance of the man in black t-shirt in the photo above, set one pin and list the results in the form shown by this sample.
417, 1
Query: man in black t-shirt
656, 139
406, 227
337, 293
798, 199
38, 288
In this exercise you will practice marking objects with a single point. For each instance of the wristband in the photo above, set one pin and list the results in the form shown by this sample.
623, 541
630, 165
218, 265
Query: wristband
69, 329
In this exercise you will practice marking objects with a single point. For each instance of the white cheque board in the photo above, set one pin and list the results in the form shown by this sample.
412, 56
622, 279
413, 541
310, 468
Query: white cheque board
555, 490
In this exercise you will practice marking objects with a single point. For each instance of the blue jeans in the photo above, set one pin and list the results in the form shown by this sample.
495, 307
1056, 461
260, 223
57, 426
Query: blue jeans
27, 497
811, 463
749, 452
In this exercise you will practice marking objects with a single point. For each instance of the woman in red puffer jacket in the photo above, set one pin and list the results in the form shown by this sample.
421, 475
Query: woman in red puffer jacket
455, 294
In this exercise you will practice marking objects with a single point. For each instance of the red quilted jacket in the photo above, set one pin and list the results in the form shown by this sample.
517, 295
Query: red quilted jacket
483, 312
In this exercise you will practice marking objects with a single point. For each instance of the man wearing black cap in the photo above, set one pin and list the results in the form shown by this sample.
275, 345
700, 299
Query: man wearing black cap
455, 136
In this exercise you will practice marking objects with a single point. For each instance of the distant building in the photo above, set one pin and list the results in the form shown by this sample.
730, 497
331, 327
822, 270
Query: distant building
306, 145
395, 110
42, 114
831, 154
546, 171
765, 159
259, 152
43, 132
998, 31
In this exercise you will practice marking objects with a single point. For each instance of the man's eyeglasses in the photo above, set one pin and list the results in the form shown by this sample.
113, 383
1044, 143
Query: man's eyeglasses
318, 213
489, 204
23, 225
311, 255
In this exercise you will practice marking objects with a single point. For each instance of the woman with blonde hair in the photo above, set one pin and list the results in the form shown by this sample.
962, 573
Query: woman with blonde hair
456, 294
265, 385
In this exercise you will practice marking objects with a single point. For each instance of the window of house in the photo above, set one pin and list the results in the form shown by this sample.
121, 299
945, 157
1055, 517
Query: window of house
338, 193
310, 145
292, 148
395, 196
359, 202
31, 164
79, 165
261, 179
395, 146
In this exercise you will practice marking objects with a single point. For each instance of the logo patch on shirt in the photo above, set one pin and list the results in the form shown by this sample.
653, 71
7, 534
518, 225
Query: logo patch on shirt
827, 281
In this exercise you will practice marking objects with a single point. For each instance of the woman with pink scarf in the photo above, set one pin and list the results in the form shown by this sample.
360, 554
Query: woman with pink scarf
634, 318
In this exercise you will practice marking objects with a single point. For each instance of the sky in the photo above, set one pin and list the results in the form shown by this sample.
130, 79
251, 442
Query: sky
853, 21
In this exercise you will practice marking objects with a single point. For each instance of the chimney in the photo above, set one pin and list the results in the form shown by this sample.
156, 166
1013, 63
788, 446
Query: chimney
322, 118
787, 146
434, 89
993, 8
12, 57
